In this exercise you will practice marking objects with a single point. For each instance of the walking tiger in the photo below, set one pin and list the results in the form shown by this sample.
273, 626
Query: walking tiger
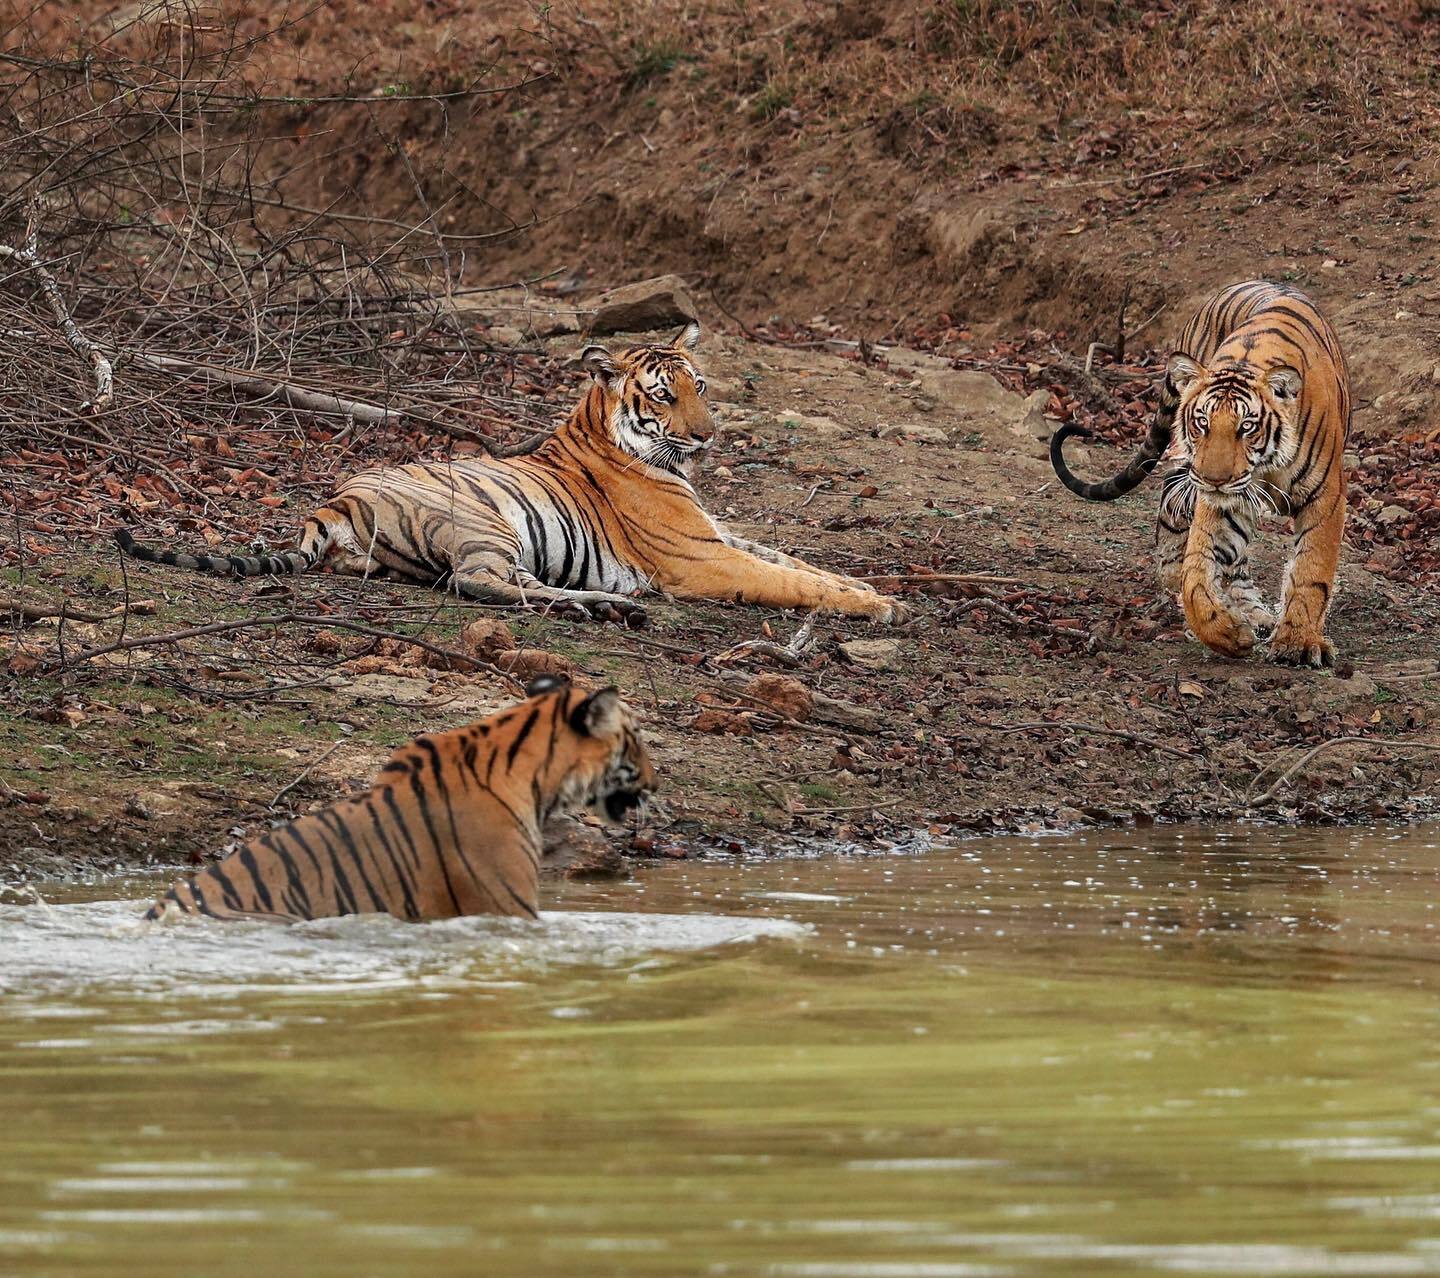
1259, 388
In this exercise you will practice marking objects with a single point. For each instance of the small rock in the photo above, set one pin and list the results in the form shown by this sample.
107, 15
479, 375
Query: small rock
1435, 373
1392, 515
662, 302
149, 806
487, 638
1350, 460
722, 721
384, 687
1329, 264
789, 696
504, 335
873, 654
579, 850
528, 663
816, 427
921, 434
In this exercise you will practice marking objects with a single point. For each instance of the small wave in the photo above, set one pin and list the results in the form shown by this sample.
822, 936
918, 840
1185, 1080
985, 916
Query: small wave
104, 944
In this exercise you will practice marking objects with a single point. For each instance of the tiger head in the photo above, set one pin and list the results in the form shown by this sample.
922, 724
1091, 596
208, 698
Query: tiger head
654, 399
1234, 419
596, 758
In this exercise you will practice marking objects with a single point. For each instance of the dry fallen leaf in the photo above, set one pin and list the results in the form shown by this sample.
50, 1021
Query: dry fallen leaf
1188, 688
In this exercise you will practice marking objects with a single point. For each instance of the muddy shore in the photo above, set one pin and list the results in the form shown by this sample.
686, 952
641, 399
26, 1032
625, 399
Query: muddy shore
1040, 682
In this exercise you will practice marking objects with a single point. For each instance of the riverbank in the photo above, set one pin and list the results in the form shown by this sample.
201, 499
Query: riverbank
1040, 682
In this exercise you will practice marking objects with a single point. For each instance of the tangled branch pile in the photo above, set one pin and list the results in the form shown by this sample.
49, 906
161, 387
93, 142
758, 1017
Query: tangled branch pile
180, 337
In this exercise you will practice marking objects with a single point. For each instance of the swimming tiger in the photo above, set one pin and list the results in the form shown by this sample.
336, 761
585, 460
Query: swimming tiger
1261, 392
450, 827
602, 510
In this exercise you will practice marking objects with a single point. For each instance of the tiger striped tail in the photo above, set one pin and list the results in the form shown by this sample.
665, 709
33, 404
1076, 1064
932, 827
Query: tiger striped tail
1146, 457
285, 563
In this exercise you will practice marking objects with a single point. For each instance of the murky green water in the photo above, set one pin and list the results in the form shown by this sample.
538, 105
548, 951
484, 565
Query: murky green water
1174, 1052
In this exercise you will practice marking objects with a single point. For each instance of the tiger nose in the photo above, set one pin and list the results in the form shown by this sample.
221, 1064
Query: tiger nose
704, 432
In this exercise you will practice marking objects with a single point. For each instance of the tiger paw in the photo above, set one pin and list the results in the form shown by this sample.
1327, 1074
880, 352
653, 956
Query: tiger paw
1291, 647
1260, 619
887, 610
630, 615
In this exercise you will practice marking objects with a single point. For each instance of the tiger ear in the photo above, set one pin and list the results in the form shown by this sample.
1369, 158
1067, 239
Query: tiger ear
598, 715
600, 364
1283, 383
1181, 370
541, 684
688, 338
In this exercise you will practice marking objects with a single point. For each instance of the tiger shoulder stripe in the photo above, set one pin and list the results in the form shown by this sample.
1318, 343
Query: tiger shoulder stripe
452, 825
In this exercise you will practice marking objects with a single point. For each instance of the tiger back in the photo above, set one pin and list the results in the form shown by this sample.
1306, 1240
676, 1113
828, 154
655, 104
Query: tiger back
451, 827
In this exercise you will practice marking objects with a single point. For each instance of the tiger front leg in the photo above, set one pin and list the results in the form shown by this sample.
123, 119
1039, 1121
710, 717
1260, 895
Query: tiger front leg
772, 556
728, 573
1232, 557
1299, 639
1172, 529
1209, 610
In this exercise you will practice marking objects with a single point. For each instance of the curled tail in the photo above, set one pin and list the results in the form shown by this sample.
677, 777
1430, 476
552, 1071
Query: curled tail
286, 562
1147, 456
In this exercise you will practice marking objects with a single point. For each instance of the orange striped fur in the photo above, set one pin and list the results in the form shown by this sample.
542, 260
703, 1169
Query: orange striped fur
601, 512
1255, 410
450, 827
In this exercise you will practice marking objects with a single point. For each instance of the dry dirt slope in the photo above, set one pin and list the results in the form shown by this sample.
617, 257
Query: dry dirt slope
1063, 692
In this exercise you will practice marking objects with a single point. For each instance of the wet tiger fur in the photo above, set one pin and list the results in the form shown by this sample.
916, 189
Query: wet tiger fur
450, 827
1259, 388
601, 511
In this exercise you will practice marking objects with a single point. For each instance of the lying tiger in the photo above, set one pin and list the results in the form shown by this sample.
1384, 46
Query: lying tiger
450, 827
1261, 392
602, 510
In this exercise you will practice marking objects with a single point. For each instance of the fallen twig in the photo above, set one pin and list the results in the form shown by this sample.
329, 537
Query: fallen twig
304, 398
954, 578
464, 659
1331, 744
28, 255
275, 802
45, 611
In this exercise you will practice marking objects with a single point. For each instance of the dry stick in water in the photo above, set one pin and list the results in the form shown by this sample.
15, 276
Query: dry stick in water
29, 257
1339, 741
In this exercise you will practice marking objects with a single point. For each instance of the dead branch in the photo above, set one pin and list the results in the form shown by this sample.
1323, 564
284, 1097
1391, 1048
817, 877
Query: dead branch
29, 257
315, 763
302, 398
1334, 743
29, 612
461, 660
950, 578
